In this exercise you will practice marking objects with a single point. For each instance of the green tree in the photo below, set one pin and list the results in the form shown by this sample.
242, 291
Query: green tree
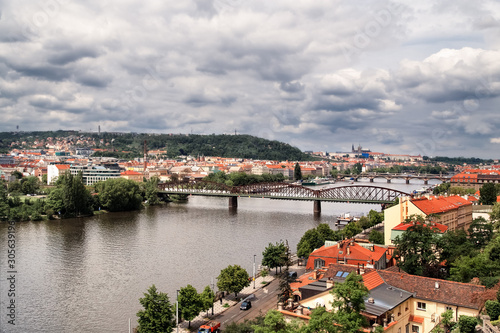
467, 324
285, 279
119, 194
495, 215
30, 184
297, 172
17, 174
480, 232
70, 197
272, 256
348, 301
315, 238
233, 279
321, 321
150, 191
4, 203
488, 194
376, 237
416, 248
351, 230
158, 314
190, 303
493, 309
447, 320
274, 322
207, 299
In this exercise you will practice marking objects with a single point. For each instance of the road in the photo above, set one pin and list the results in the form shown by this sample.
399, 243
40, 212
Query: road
264, 300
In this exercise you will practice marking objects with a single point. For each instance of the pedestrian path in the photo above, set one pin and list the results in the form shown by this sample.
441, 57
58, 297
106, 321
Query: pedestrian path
227, 302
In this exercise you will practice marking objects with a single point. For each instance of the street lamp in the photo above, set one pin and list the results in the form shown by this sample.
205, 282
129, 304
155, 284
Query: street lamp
177, 311
254, 271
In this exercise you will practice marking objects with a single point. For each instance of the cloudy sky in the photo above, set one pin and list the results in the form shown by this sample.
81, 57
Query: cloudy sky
411, 77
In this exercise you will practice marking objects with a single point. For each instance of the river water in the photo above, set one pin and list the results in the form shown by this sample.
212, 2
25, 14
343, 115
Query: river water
87, 275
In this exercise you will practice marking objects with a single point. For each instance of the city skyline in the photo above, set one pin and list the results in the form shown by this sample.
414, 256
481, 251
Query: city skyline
409, 78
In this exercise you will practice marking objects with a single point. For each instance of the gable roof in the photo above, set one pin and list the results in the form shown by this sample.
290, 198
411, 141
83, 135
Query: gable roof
442, 291
440, 228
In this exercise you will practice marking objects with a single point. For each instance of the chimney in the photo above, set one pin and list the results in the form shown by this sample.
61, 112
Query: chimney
436, 285
348, 250
371, 300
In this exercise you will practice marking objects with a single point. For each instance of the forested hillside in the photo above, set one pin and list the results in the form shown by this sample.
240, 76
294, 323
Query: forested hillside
129, 145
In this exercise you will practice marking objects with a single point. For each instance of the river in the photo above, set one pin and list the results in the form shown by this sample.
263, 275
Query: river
87, 274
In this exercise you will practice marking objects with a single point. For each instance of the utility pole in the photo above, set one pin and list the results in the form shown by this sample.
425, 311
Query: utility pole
254, 270
177, 311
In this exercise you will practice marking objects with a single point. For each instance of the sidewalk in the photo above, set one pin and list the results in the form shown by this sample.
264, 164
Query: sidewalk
219, 308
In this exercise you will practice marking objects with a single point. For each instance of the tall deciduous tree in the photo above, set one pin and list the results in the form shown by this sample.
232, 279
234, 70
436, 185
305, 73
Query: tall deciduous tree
190, 303
70, 197
488, 194
285, 278
158, 313
272, 256
315, 238
416, 248
207, 299
233, 279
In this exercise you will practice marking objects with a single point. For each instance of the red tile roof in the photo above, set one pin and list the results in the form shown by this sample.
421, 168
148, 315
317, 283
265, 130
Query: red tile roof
441, 228
372, 280
442, 291
439, 205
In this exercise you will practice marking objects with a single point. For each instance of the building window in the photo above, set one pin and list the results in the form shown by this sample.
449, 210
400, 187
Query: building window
414, 329
319, 263
421, 306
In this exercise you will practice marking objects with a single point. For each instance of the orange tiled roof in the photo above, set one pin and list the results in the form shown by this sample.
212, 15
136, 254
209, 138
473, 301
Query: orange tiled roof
440, 205
62, 166
372, 280
404, 226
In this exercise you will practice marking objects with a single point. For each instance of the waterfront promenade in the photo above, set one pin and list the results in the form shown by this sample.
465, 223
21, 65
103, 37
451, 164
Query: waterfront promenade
230, 300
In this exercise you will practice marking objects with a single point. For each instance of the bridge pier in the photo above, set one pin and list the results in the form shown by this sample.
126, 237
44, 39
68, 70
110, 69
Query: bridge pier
388, 180
426, 181
371, 180
317, 207
407, 181
233, 202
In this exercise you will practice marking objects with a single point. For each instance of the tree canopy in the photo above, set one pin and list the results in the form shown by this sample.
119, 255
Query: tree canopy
233, 279
272, 256
190, 303
158, 314
119, 194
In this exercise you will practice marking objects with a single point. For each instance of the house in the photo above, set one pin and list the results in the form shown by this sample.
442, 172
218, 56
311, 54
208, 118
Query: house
400, 302
55, 170
132, 175
348, 252
453, 211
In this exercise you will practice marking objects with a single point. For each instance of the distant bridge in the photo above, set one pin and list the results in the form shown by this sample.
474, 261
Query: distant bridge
285, 191
389, 176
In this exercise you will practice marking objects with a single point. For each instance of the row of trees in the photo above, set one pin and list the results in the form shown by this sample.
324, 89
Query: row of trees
70, 198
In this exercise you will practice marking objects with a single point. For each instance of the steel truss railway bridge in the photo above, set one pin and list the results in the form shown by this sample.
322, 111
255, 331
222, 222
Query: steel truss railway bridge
285, 191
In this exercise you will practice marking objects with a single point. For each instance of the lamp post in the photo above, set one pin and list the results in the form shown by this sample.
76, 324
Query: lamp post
254, 270
177, 311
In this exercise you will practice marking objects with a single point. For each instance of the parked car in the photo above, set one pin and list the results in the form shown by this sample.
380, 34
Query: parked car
245, 305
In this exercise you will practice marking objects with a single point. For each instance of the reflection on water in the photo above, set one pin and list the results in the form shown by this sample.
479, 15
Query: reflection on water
87, 274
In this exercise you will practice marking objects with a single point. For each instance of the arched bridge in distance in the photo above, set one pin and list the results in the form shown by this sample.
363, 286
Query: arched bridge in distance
286, 191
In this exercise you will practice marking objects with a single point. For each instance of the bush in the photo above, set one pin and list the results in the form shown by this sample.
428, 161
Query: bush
493, 309
467, 324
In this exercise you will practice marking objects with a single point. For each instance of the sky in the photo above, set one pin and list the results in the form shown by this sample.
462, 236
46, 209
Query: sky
402, 77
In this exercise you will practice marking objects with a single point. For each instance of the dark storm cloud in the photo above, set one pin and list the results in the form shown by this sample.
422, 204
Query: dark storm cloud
292, 87
64, 57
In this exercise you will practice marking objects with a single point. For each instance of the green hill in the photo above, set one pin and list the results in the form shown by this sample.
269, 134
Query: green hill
130, 145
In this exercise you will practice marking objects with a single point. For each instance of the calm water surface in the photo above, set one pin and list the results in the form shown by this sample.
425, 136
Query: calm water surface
86, 275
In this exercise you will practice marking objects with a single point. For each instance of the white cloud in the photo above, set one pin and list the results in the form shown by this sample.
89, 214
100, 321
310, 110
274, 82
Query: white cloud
278, 69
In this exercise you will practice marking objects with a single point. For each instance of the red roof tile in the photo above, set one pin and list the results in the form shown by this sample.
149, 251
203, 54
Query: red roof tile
372, 280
